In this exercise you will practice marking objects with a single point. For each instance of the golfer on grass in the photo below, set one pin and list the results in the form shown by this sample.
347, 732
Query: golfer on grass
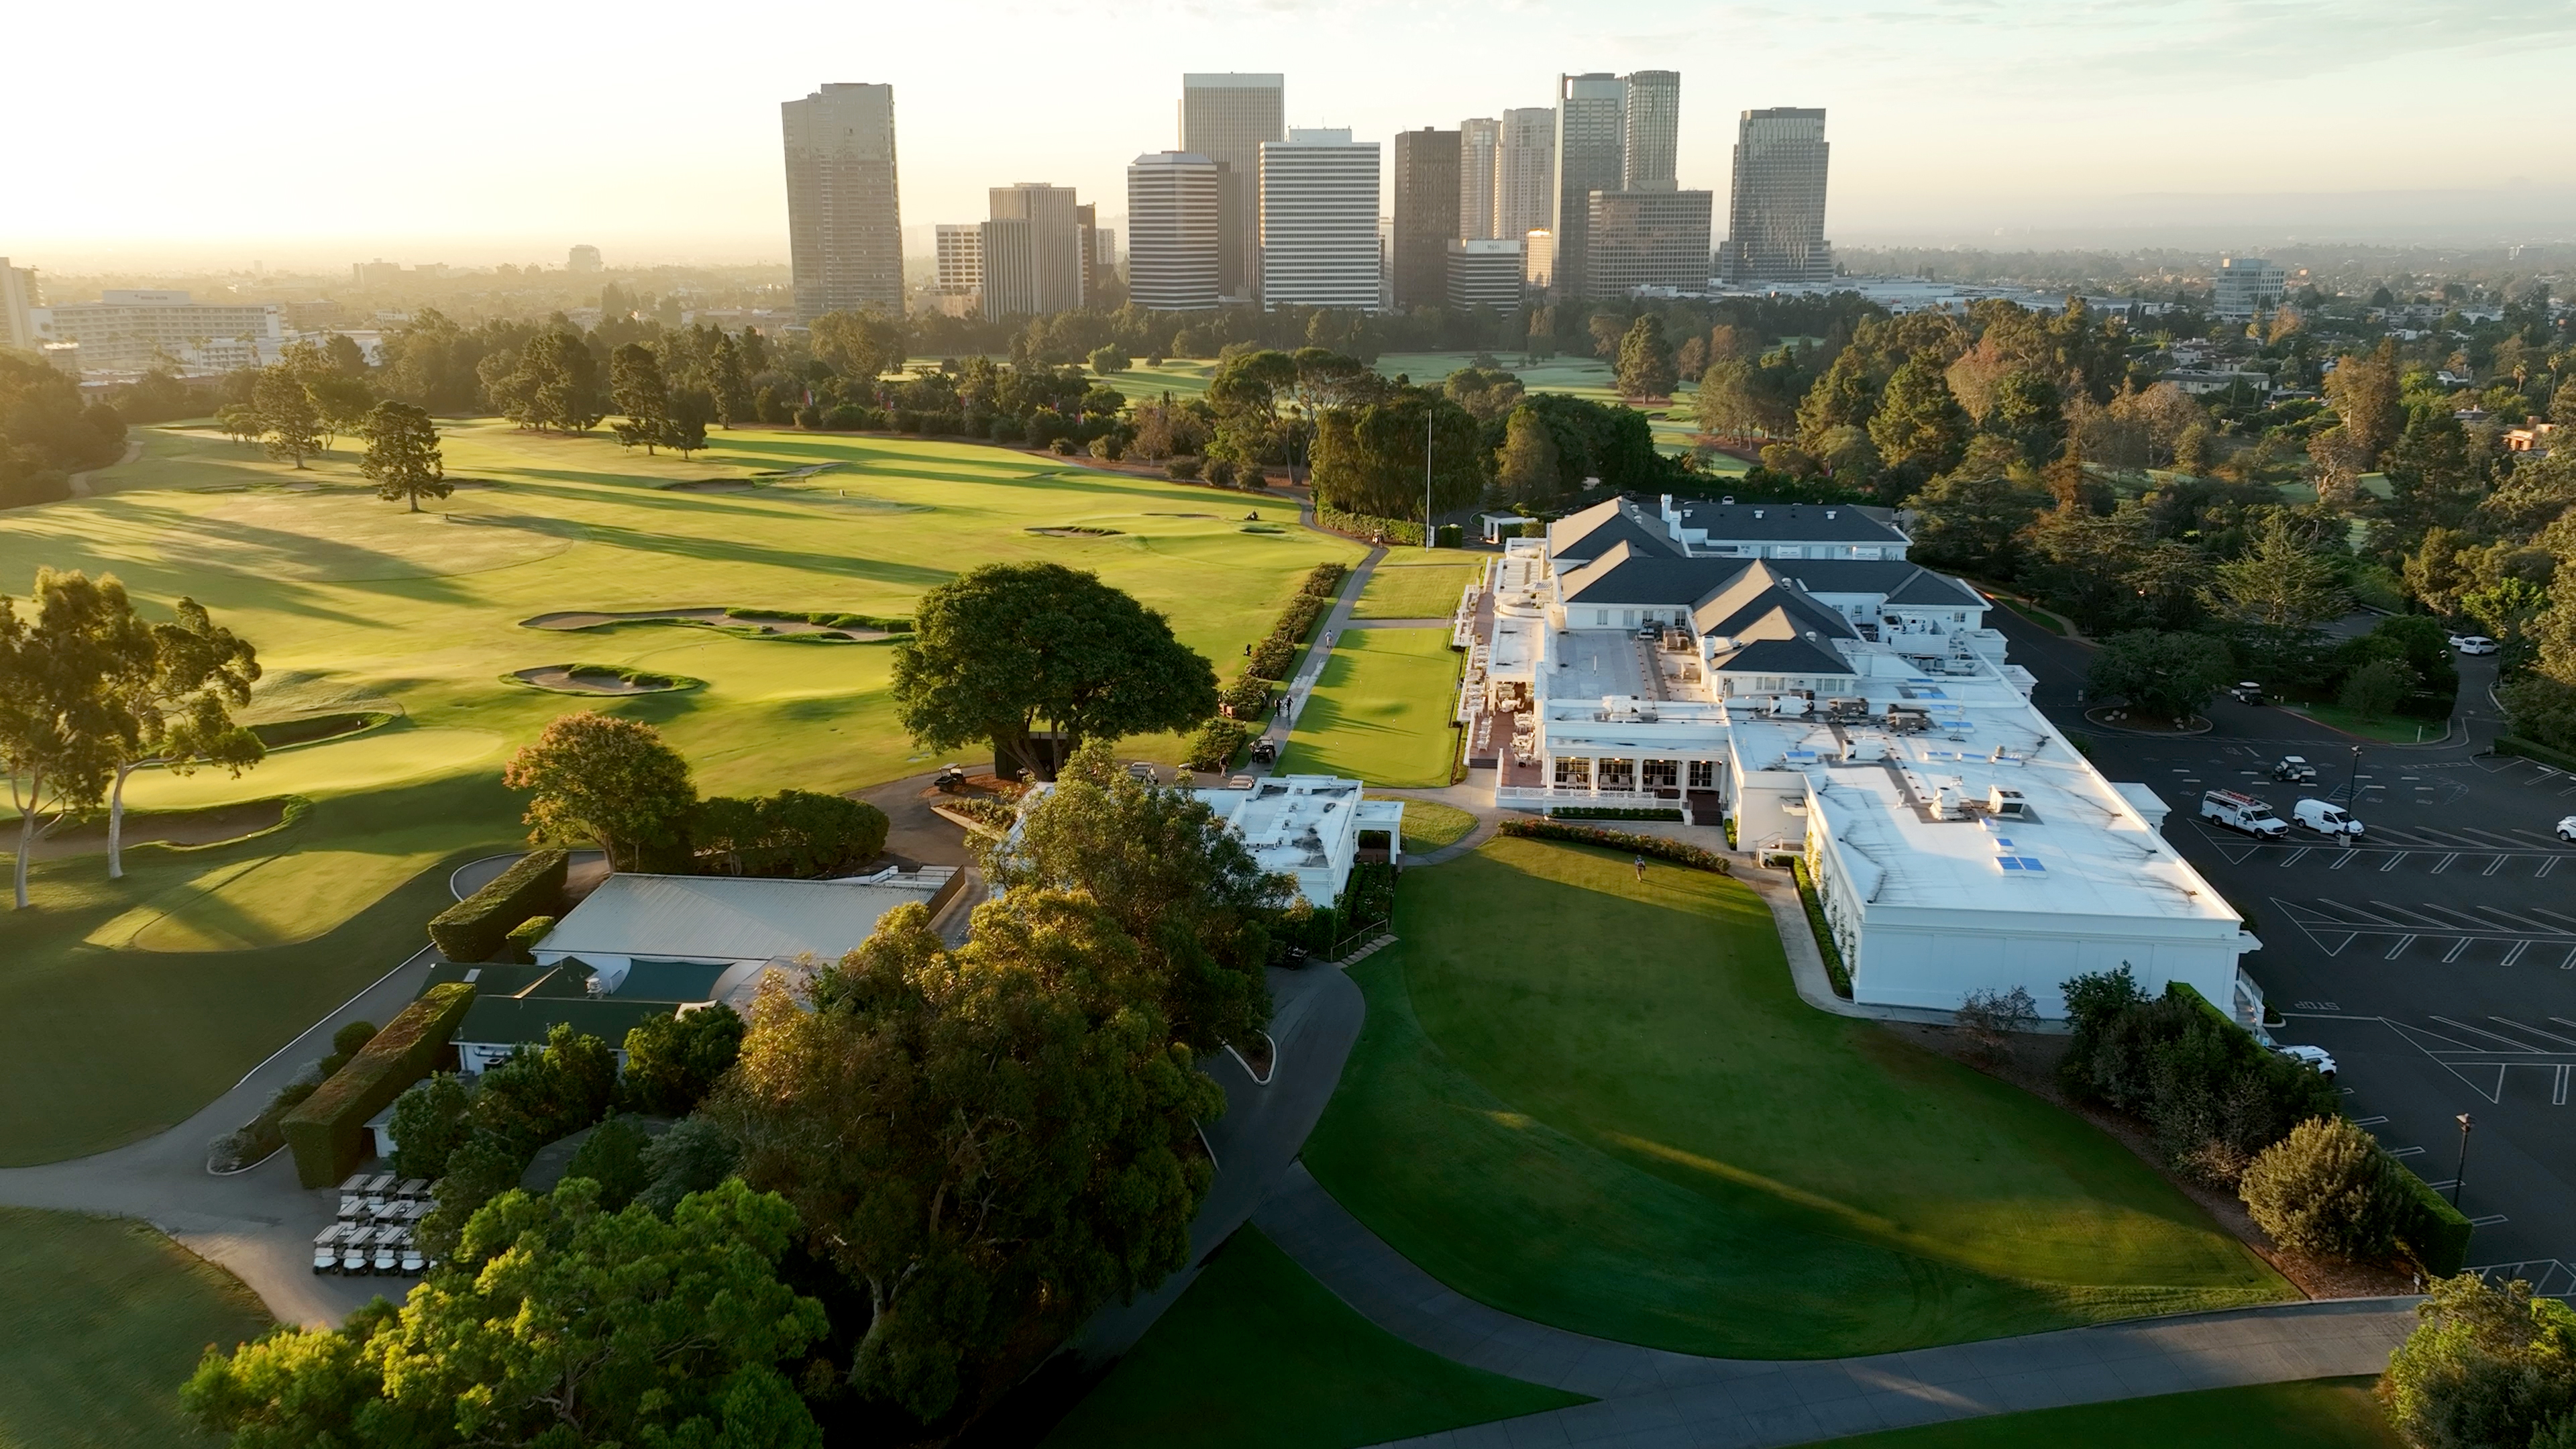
1641, 867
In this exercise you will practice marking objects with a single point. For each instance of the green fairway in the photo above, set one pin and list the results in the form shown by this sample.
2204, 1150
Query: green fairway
2316, 1414
1430, 825
125, 1005
1258, 1354
100, 1321
1596, 1102
1400, 587
1585, 377
1380, 710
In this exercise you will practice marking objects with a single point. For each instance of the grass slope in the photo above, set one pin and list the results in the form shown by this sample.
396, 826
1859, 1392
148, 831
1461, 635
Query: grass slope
2316, 1414
125, 1005
1400, 588
1595, 1101
1380, 710
1429, 825
100, 1320
1258, 1354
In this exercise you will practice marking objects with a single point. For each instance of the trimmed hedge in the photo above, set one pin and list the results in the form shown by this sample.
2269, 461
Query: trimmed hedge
1246, 697
1393, 530
324, 1129
1678, 852
2430, 1228
476, 927
1324, 580
525, 935
1826, 946
1611, 812
1216, 744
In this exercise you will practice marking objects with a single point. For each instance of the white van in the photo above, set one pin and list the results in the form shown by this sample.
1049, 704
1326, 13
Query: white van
2242, 812
2325, 819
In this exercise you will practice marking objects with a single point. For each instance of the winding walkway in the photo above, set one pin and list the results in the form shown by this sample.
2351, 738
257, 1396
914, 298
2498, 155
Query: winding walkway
1653, 1399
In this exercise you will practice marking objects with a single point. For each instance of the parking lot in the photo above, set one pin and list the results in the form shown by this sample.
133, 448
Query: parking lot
2436, 960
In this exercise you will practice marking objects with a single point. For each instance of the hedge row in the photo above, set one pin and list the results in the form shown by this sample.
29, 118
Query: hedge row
1393, 530
2431, 1229
1611, 812
479, 926
1275, 657
1678, 852
324, 1129
1216, 744
1836, 971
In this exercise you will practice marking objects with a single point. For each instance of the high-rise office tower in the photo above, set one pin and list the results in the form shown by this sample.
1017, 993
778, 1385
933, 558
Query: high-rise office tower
1651, 129
844, 226
17, 305
959, 258
1426, 216
1480, 159
1525, 178
1086, 229
1776, 225
1053, 253
1591, 155
1172, 233
1228, 116
1651, 238
1319, 221
582, 259
1484, 272
1009, 262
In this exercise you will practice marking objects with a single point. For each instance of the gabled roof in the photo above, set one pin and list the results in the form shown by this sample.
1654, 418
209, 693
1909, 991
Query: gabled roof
1628, 574
1895, 580
1761, 602
525, 1021
1781, 656
1592, 532
1784, 522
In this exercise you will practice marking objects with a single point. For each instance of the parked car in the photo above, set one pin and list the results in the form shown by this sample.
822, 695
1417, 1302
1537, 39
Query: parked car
1142, 770
2473, 644
2246, 691
2325, 818
2242, 812
2294, 770
2567, 830
2315, 1057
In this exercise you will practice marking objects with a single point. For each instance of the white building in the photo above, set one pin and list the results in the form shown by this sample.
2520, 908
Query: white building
18, 308
1175, 206
957, 281
1307, 827
2243, 286
1319, 221
132, 330
1852, 709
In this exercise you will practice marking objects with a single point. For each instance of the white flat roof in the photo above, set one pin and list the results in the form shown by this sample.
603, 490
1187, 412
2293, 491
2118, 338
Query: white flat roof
729, 918
1288, 820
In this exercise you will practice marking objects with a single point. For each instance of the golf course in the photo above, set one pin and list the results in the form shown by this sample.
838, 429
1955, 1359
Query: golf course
125, 1005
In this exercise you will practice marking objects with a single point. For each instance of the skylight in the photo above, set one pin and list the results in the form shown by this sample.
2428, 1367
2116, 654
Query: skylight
2019, 863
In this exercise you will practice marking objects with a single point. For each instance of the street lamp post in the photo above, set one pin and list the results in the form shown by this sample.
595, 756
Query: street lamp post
2460, 1177
2352, 785
1427, 414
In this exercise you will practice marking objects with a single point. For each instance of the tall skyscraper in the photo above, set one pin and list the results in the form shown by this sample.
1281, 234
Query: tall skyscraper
958, 279
1525, 180
1228, 116
1485, 272
1776, 225
1173, 203
1426, 216
1480, 160
17, 305
1651, 127
1319, 221
1053, 281
1086, 229
1652, 238
1591, 155
844, 224
1009, 262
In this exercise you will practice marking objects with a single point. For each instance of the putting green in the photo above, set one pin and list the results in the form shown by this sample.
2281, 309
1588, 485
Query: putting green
1400, 588
1380, 710
1594, 1101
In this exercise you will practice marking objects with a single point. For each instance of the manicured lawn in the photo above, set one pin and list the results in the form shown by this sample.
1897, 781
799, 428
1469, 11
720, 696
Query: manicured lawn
100, 1320
2388, 728
1429, 825
1258, 1354
123, 1006
1399, 588
1596, 1102
1380, 710
2317, 1414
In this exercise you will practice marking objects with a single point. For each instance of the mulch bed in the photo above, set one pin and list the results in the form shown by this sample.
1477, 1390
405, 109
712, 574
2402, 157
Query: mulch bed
2030, 1063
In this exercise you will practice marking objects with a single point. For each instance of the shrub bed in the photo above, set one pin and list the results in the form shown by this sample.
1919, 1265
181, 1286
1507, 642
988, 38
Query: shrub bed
2534, 750
1676, 851
324, 1128
479, 925
2430, 1228
1610, 812
1393, 530
1826, 946
1216, 744
1246, 697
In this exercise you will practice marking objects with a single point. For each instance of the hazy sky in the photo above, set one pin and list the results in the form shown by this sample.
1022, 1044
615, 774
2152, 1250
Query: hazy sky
474, 131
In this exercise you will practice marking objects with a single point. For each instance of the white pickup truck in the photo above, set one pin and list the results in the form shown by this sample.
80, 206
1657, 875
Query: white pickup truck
2242, 812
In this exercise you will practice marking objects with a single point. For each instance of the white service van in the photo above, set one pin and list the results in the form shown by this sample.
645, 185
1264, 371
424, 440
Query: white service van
2242, 812
2325, 818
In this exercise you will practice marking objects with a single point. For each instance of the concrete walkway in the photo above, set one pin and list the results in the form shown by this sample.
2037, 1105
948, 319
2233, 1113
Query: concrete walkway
1336, 619
1652, 1399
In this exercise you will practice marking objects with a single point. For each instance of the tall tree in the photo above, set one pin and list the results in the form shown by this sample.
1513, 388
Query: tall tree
1526, 470
1004, 649
1972, 520
181, 700
860, 346
990, 1142
1369, 460
595, 778
1919, 429
1726, 405
555, 1323
728, 384
1842, 397
637, 388
2487, 1364
2366, 394
2281, 582
287, 414
61, 729
563, 379
403, 459
1646, 368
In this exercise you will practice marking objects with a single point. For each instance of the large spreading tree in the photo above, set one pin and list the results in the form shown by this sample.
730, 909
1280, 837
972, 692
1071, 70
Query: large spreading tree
596, 778
402, 459
179, 698
62, 724
1004, 650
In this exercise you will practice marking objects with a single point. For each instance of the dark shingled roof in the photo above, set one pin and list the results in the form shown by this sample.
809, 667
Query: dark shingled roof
1782, 656
1587, 535
1783, 522
1746, 606
1898, 581
1627, 574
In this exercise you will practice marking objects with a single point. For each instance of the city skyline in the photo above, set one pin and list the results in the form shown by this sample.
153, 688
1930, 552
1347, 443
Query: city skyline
695, 175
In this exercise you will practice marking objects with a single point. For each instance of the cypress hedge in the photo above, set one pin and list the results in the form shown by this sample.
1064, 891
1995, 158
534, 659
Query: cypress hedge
478, 927
2430, 1228
324, 1129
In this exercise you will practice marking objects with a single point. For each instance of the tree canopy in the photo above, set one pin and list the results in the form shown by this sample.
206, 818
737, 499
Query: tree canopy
403, 459
598, 779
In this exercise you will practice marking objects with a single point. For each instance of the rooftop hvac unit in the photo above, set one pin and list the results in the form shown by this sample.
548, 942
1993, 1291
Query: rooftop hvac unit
2006, 804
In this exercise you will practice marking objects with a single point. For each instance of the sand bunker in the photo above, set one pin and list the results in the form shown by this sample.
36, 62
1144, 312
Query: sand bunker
1075, 531
597, 679
711, 618
174, 827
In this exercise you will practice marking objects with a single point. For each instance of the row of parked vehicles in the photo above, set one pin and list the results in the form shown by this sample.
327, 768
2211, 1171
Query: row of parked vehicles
2237, 810
375, 1230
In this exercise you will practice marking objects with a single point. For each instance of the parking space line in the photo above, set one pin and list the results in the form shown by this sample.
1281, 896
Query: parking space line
2294, 857
2495, 865
2515, 954
2394, 861
2430, 920
2368, 1121
2457, 947
2558, 1095
2405, 1151
2547, 864
2553, 915
2444, 863
2341, 863
2402, 943
2490, 1220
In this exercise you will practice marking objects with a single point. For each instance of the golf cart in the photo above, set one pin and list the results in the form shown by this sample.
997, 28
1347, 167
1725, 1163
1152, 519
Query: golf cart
1265, 751
951, 778
2294, 770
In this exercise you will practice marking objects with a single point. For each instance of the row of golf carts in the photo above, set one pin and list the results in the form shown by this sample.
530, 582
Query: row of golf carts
374, 1233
